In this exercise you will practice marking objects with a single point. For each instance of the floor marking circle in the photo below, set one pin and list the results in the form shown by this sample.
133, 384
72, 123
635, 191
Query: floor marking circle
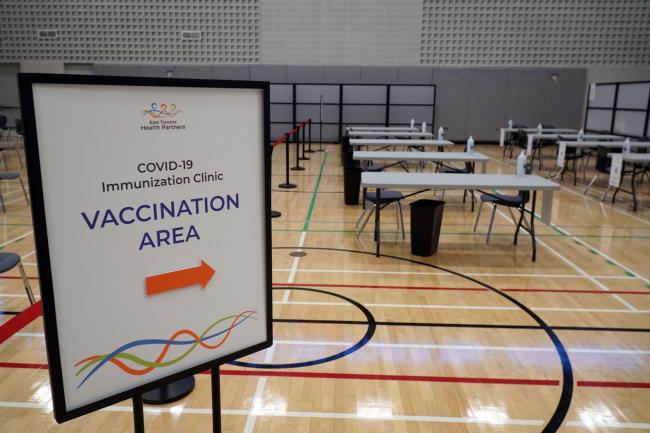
372, 326
562, 408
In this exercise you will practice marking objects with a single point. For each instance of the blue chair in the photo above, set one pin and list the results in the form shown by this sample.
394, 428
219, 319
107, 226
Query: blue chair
12, 175
5, 146
8, 261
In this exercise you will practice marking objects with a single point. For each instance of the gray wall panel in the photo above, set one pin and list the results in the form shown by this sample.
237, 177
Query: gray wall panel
231, 72
379, 74
281, 113
412, 94
341, 74
403, 114
9, 85
304, 112
272, 73
123, 70
364, 94
563, 101
414, 75
599, 120
525, 97
281, 93
629, 123
304, 74
604, 96
357, 114
158, 71
451, 100
312, 93
193, 71
487, 102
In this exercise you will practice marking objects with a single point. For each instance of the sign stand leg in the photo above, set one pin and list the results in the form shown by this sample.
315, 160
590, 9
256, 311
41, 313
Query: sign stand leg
138, 414
216, 400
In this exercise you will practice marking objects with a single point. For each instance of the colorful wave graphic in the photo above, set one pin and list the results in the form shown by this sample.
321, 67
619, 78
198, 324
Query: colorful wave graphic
119, 355
156, 113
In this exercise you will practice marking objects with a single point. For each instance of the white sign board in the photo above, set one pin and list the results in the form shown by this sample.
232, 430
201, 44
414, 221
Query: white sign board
616, 170
156, 250
561, 153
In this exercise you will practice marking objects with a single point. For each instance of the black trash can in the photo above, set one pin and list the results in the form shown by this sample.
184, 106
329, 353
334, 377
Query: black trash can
426, 221
351, 184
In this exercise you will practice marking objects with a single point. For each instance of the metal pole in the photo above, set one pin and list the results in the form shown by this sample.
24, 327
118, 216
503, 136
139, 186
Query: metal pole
296, 139
309, 149
320, 125
304, 143
216, 400
138, 414
287, 184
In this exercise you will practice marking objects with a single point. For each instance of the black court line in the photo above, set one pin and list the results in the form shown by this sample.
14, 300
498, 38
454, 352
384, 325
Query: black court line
369, 322
462, 325
562, 408
9, 313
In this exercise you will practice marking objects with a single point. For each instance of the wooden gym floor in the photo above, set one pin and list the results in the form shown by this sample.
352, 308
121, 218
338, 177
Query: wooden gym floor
448, 343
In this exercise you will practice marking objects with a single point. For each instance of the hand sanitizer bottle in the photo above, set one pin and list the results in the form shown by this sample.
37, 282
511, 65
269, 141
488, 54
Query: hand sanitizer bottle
626, 145
424, 127
510, 123
581, 135
412, 123
441, 133
539, 128
470, 144
521, 164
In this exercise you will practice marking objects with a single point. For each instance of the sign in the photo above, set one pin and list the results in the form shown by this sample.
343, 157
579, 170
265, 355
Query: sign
561, 152
616, 170
151, 209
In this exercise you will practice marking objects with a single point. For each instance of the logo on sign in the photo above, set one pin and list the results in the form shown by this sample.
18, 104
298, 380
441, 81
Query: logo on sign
161, 117
163, 111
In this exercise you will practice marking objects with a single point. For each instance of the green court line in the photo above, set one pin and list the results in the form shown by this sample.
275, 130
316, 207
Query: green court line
305, 227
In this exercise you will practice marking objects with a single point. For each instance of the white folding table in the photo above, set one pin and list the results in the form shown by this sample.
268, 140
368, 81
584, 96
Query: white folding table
423, 156
504, 131
382, 128
375, 134
383, 143
438, 181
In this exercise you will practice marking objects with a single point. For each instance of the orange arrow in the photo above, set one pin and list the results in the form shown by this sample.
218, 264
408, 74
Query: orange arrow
178, 279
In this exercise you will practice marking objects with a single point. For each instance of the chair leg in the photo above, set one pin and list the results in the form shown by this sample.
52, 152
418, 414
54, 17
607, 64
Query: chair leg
575, 173
397, 215
372, 209
521, 219
401, 218
4, 159
494, 211
22, 185
19, 158
478, 215
28, 287
363, 212
2, 202
591, 183
602, 198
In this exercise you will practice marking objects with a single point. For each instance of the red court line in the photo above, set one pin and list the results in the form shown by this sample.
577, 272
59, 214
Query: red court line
19, 321
391, 377
603, 384
11, 277
465, 289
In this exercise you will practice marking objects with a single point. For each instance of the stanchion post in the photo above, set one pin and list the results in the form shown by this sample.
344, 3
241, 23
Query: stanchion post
138, 414
296, 139
309, 139
287, 184
216, 400
303, 142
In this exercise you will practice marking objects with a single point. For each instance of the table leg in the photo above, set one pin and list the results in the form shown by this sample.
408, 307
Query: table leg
532, 226
377, 219
634, 186
502, 137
